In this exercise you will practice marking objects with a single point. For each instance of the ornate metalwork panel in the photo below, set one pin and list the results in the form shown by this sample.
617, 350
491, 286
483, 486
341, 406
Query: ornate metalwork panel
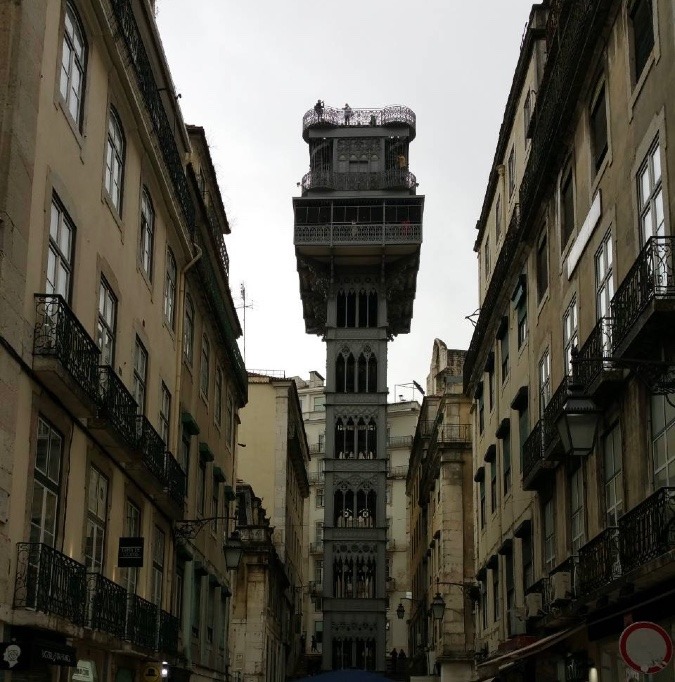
106, 605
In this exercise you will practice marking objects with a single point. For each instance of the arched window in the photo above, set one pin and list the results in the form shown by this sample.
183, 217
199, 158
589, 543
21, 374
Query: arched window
372, 309
341, 313
340, 379
350, 374
73, 64
351, 309
371, 444
372, 374
361, 381
339, 439
363, 309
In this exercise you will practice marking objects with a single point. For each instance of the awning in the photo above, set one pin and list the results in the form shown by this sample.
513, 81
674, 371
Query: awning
540, 645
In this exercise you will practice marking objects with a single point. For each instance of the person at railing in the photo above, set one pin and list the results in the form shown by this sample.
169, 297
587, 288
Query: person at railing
401, 162
318, 109
347, 112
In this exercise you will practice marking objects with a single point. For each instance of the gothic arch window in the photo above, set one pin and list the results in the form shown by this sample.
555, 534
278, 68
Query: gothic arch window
340, 373
355, 438
372, 309
341, 309
362, 374
354, 310
372, 374
351, 309
350, 374
371, 440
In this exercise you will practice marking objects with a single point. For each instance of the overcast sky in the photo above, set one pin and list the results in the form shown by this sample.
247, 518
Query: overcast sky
248, 70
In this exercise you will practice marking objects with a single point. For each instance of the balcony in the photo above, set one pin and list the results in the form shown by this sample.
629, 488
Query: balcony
317, 448
399, 441
175, 481
152, 448
142, 621
106, 605
349, 234
536, 469
395, 115
317, 477
394, 178
648, 530
594, 370
316, 547
599, 562
116, 419
397, 472
554, 407
51, 582
644, 302
65, 357
316, 588
169, 628
455, 434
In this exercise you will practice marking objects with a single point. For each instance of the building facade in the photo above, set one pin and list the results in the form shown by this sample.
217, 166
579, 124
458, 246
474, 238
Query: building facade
401, 422
275, 464
118, 354
439, 488
575, 251
357, 234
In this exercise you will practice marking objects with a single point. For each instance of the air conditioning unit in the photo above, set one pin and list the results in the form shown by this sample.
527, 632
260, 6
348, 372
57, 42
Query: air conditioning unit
561, 587
533, 605
516, 621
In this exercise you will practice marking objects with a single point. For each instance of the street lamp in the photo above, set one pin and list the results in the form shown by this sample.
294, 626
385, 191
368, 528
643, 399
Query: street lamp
233, 550
438, 606
400, 611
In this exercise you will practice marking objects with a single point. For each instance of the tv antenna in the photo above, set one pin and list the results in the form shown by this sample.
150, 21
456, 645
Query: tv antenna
243, 307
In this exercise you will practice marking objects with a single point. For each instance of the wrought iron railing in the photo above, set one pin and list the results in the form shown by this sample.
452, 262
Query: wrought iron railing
455, 433
329, 179
391, 115
49, 581
650, 277
317, 477
648, 530
175, 479
117, 405
141, 625
316, 588
348, 233
217, 235
316, 547
397, 472
58, 333
552, 411
106, 605
317, 448
592, 356
426, 427
571, 566
533, 450
147, 84
152, 448
599, 561
399, 441
169, 627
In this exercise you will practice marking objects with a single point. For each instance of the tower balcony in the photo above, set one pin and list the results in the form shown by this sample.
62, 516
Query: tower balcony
395, 115
394, 178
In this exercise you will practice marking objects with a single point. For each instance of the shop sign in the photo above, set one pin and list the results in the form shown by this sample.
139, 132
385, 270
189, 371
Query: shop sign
130, 553
152, 672
55, 654
646, 647
85, 671
13, 656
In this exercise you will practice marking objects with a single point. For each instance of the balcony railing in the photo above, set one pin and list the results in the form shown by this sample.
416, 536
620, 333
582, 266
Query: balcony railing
169, 627
533, 450
152, 448
117, 404
175, 479
150, 92
106, 605
648, 530
391, 115
59, 334
552, 411
426, 427
317, 477
217, 234
316, 547
592, 355
397, 472
317, 448
650, 277
343, 234
399, 441
141, 626
49, 581
599, 561
316, 588
328, 179
454, 433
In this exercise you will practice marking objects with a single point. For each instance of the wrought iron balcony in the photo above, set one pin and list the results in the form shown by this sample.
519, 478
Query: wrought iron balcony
647, 289
49, 581
60, 335
648, 530
164, 129
317, 448
141, 625
393, 178
399, 441
388, 116
316, 547
117, 405
152, 448
217, 234
169, 628
175, 479
455, 433
593, 366
348, 234
599, 561
397, 472
552, 411
106, 605
533, 455
317, 477
426, 427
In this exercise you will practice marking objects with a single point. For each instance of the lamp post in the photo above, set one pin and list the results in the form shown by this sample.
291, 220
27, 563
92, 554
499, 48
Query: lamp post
188, 529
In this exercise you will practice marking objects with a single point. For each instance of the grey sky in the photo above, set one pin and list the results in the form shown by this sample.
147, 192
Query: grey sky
247, 71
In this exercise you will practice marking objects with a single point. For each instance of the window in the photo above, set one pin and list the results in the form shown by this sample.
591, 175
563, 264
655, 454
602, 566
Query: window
229, 420
201, 487
318, 531
170, 289
523, 431
511, 171
643, 34
107, 319
491, 386
570, 334
496, 601
493, 485
521, 313
544, 381
486, 254
481, 494
528, 571
598, 124
484, 604
613, 475
318, 572
578, 517
218, 398
132, 529
542, 267
549, 535
506, 462
566, 206
196, 604
158, 542
60, 255
663, 441
73, 64
510, 585
189, 330
527, 113
215, 501
481, 412
114, 160
204, 370
178, 589
97, 505
147, 233
46, 484
140, 374
498, 218
185, 453
604, 284
319, 498
164, 414
650, 195
504, 354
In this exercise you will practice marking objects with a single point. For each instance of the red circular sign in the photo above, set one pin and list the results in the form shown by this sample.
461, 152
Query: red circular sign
646, 647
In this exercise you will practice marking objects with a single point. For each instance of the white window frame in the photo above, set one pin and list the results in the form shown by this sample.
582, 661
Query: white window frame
613, 475
140, 374
107, 322
114, 160
205, 368
73, 64
60, 253
97, 519
650, 194
577, 509
189, 330
604, 276
147, 234
170, 289
570, 324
